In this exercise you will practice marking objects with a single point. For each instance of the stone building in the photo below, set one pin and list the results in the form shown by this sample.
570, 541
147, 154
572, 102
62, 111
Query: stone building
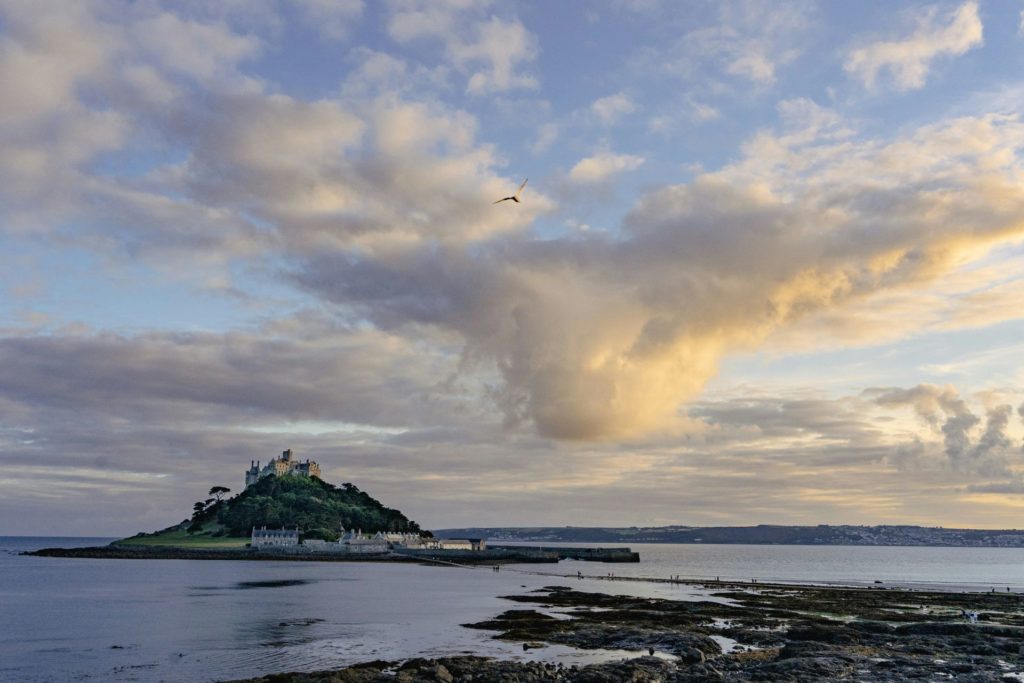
286, 464
401, 540
358, 542
274, 538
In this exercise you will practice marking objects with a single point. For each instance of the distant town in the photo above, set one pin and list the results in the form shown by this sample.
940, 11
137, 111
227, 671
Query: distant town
761, 534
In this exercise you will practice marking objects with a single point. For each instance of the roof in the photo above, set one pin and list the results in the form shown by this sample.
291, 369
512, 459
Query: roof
275, 532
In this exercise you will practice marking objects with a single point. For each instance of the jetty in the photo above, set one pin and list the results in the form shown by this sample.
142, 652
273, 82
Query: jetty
572, 553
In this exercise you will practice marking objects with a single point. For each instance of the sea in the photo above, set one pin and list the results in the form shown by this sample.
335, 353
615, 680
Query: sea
69, 619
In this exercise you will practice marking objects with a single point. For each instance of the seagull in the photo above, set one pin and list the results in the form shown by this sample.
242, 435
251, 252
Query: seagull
514, 197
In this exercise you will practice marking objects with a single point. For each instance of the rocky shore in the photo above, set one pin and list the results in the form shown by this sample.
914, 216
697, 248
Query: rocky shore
738, 632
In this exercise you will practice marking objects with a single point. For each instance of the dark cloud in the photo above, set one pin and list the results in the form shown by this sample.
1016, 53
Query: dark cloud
772, 417
1013, 487
320, 372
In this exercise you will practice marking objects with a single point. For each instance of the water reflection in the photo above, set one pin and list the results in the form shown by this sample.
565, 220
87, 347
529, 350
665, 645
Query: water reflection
278, 583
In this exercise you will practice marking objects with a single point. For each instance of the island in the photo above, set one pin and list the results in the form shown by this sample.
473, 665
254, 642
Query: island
287, 512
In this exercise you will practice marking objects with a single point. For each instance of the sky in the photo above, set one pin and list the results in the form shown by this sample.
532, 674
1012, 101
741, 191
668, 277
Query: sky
768, 266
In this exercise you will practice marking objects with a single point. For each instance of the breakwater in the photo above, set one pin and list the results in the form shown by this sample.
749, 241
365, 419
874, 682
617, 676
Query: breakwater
493, 555
569, 553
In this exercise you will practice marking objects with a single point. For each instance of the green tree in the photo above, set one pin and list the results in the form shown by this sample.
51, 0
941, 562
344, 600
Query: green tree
218, 491
308, 503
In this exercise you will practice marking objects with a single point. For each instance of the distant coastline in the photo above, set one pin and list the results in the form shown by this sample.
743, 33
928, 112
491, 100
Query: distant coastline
762, 534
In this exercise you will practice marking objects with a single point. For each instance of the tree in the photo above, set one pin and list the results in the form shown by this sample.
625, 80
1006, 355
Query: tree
218, 491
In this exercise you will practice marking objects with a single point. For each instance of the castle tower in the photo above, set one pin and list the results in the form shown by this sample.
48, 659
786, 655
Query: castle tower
252, 475
286, 464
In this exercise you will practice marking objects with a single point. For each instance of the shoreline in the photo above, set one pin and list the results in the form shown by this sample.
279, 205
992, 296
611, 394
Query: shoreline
738, 632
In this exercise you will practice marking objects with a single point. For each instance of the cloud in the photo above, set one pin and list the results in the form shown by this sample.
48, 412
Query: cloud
681, 115
602, 166
1020, 411
380, 207
944, 409
206, 52
780, 422
332, 18
701, 112
1013, 487
611, 108
908, 60
228, 169
489, 50
242, 378
724, 263
745, 40
546, 136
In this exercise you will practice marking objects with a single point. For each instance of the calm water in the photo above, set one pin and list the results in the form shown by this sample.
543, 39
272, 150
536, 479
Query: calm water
170, 620
961, 569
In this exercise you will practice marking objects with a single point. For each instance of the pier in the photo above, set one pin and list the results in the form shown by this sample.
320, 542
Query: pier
570, 553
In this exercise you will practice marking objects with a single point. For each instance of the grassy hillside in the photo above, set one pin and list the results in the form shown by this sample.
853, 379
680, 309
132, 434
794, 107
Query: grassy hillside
316, 508
179, 537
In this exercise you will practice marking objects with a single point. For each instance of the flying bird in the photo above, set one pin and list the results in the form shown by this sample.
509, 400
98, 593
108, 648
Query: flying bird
514, 197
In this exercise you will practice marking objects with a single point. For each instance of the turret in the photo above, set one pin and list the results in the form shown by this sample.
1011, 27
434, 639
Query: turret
252, 475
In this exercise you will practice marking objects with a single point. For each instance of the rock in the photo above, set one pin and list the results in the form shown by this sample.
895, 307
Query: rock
872, 627
442, 674
936, 629
691, 655
804, 669
639, 670
806, 648
822, 632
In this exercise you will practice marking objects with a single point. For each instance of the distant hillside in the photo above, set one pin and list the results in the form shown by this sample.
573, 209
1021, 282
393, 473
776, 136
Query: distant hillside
755, 535
316, 508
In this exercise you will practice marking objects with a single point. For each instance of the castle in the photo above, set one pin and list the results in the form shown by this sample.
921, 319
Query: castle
283, 465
